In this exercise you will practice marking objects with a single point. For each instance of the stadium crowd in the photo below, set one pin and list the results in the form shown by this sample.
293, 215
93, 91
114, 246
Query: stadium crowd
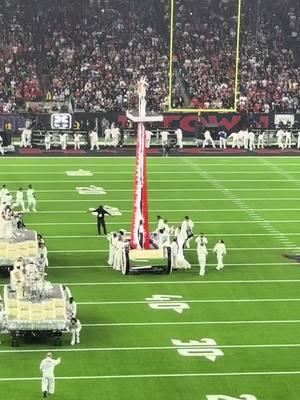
94, 52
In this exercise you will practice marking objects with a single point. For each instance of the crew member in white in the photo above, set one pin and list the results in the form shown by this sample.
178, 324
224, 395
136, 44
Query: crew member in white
47, 141
75, 328
202, 254
261, 140
1, 146
251, 138
3, 193
220, 251
94, 140
63, 140
288, 139
208, 139
47, 368
164, 138
20, 199
148, 135
188, 225
280, 134
179, 136
107, 137
77, 141
31, 199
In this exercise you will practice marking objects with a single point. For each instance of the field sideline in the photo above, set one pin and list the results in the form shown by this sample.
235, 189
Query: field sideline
128, 350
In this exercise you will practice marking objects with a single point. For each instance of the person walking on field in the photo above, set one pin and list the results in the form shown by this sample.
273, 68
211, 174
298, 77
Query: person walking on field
202, 254
220, 251
47, 367
101, 212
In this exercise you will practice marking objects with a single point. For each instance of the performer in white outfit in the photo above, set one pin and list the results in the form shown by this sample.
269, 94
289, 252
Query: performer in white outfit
288, 139
179, 136
47, 141
202, 254
148, 135
120, 256
107, 137
75, 328
208, 139
188, 225
48, 380
20, 200
174, 253
1, 146
251, 138
3, 193
71, 308
77, 137
43, 250
261, 140
160, 224
94, 140
181, 237
164, 138
280, 134
31, 199
220, 251
63, 140
112, 238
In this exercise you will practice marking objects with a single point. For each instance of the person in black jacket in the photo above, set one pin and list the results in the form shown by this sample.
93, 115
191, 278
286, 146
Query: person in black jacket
101, 219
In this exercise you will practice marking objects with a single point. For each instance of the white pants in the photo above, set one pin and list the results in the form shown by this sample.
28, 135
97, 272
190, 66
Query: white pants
63, 145
94, 144
111, 255
220, 261
19, 203
260, 143
1, 150
206, 141
280, 144
179, 141
76, 145
107, 140
75, 336
47, 145
31, 203
147, 144
202, 264
48, 384
222, 143
251, 144
288, 142
298, 143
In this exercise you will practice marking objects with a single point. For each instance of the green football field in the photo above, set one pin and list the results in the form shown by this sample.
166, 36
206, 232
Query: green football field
239, 333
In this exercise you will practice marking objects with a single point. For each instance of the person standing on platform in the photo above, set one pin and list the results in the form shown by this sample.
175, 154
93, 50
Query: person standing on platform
220, 251
101, 212
47, 367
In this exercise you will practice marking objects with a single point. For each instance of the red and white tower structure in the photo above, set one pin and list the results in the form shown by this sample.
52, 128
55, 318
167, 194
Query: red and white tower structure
140, 233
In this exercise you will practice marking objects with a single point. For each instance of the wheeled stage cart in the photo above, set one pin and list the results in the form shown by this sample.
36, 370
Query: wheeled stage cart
23, 318
156, 261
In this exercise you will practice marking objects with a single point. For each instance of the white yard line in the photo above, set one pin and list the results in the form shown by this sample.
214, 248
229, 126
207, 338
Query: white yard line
158, 348
158, 376
173, 210
193, 301
165, 172
188, 323
92, 200
208, 265
173, 222
198, 282
193, 249
209, 235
